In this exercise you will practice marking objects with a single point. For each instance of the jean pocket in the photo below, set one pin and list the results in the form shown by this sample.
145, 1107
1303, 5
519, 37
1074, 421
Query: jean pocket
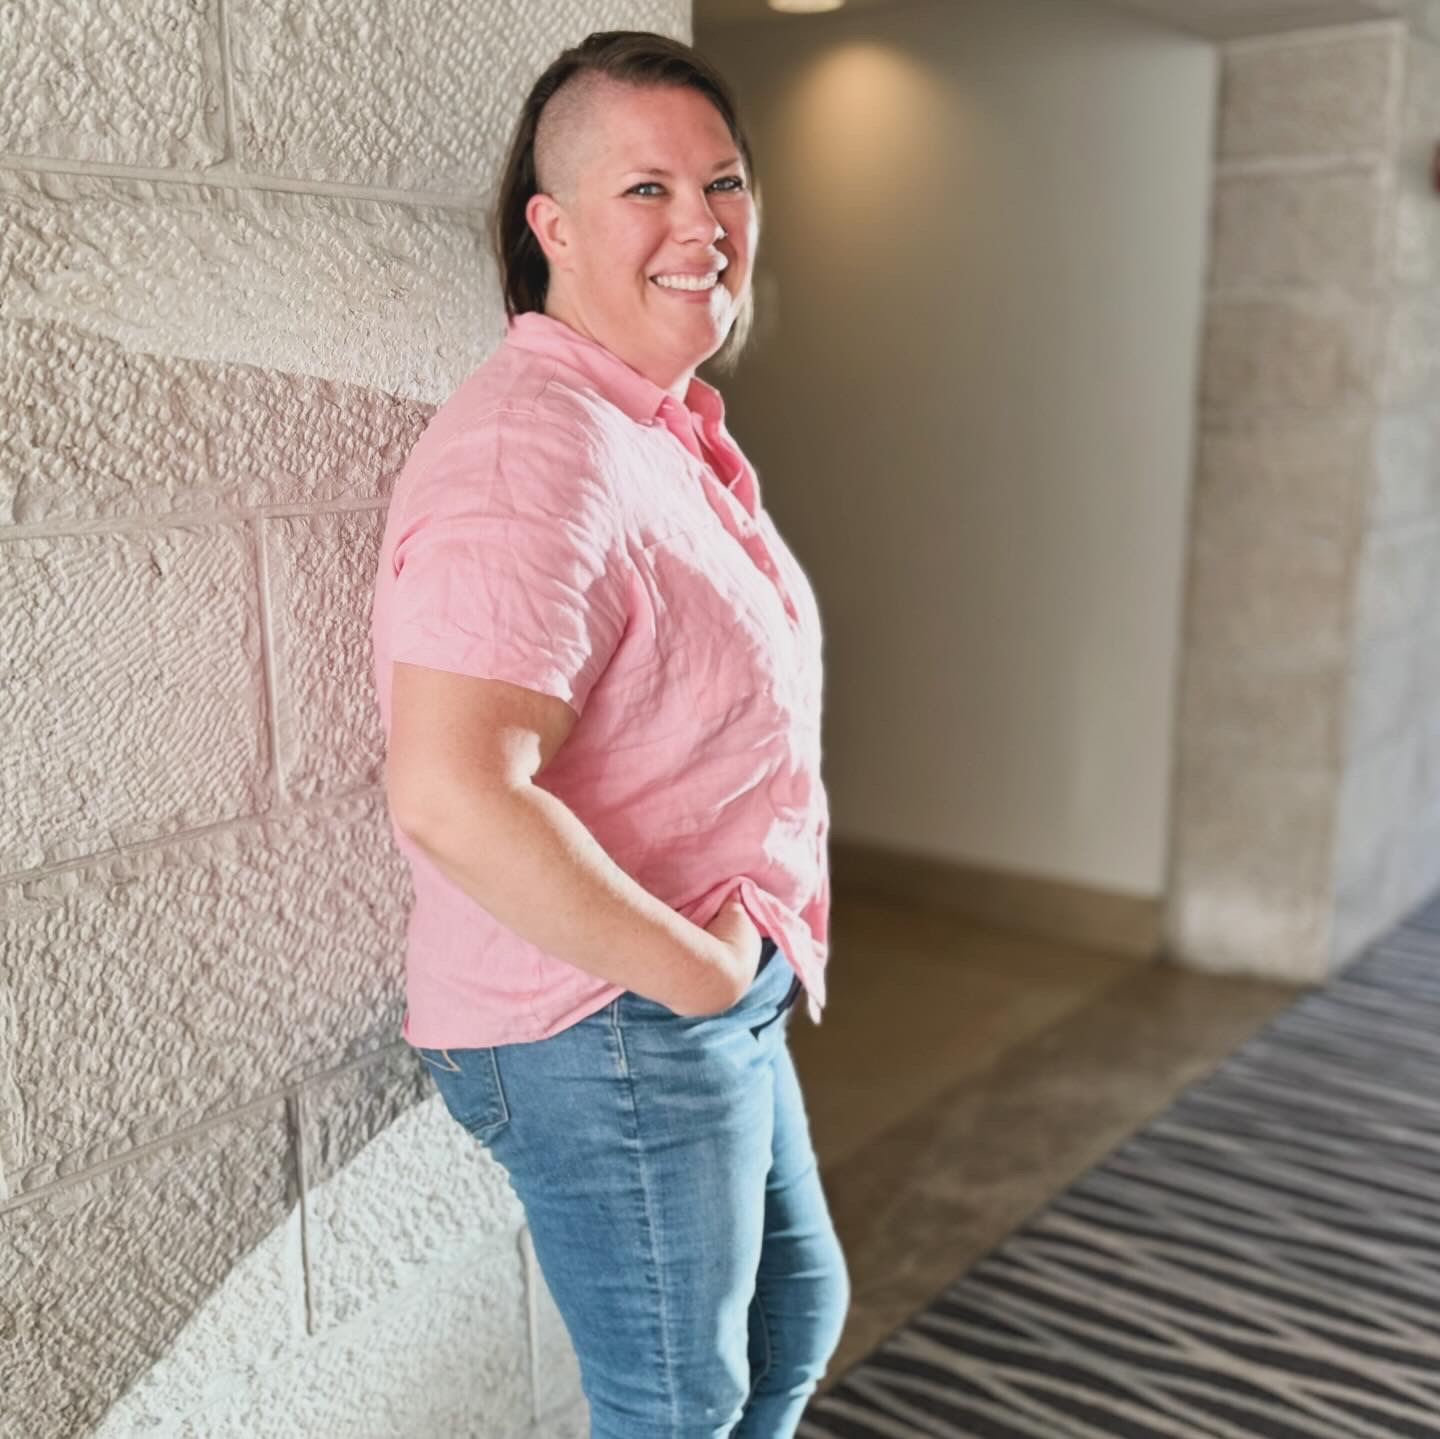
469, 1083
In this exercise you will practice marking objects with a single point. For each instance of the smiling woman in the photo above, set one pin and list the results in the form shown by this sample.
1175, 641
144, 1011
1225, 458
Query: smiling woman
611, 242
669, 139
598, 669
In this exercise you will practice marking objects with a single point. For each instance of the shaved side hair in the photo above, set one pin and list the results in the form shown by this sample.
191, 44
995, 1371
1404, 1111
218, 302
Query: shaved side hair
562, 134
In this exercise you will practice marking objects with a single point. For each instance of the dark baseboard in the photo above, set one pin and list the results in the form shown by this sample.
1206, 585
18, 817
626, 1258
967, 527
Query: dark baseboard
1028, 904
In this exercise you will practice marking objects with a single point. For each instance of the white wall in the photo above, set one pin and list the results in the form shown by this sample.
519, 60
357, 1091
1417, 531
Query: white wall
971, 408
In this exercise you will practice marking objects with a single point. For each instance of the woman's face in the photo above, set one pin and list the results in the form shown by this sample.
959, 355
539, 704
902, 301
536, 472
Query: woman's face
625, 227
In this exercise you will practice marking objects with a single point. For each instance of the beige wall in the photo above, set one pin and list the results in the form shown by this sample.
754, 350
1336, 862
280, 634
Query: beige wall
971, 408
240, 260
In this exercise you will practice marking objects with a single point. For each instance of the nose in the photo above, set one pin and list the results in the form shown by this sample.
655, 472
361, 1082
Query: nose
695, 220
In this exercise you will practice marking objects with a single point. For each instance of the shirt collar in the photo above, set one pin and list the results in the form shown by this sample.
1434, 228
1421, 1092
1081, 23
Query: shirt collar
619, 382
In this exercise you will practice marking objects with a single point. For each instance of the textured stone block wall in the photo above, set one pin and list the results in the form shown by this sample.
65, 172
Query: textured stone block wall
1387, 856
1302, 808
241, 259
1298, 292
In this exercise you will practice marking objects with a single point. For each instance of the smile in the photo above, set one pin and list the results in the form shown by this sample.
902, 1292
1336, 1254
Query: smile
687, 282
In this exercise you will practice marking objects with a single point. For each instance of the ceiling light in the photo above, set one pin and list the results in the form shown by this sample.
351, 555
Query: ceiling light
805, 7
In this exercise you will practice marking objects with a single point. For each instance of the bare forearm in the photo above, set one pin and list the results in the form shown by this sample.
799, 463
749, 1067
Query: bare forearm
525, 857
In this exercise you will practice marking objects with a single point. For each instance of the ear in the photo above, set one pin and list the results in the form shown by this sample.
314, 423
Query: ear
551, 228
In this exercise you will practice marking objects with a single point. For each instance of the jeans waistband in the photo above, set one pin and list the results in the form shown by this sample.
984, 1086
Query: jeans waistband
768, 949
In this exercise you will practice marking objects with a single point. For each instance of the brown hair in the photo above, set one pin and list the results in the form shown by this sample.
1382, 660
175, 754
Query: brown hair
635, 57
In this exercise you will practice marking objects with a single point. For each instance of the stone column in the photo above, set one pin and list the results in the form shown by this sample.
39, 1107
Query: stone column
1305, 815
1387, 852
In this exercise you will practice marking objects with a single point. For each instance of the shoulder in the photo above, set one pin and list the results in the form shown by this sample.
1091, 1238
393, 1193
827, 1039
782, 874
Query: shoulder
515, 434
516, 393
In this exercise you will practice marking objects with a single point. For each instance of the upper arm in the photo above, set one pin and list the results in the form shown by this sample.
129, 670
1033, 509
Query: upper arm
508, 594
509, 560
455, 732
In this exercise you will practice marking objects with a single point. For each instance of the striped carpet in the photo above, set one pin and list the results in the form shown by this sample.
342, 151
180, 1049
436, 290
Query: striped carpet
1262, 1259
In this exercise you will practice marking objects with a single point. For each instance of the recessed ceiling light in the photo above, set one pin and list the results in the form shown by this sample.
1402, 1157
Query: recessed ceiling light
805, 7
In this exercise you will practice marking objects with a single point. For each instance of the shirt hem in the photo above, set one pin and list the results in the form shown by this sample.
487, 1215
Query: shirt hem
529, 1035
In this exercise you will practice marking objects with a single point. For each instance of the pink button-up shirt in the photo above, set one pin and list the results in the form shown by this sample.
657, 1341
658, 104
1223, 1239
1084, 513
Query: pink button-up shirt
566, 524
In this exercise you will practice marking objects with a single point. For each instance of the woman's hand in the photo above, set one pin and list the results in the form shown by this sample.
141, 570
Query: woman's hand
726, 970
734, 928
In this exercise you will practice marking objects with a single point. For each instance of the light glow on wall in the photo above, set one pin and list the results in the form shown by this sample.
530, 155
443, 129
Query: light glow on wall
864, 137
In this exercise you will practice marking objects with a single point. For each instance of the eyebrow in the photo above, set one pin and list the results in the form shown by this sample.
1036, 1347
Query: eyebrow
666, 175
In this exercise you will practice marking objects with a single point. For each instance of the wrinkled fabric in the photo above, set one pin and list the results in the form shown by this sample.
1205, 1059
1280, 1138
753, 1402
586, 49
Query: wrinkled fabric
565, 524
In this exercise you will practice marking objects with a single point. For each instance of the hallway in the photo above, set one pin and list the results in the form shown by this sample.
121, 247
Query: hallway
963, 1076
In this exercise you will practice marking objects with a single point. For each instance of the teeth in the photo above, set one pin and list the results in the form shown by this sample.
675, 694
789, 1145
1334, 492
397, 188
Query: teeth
687, 282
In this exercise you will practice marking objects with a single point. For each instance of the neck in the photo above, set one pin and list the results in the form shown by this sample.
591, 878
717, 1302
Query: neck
676, 383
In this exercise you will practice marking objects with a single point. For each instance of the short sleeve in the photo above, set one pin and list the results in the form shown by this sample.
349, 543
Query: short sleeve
511, 562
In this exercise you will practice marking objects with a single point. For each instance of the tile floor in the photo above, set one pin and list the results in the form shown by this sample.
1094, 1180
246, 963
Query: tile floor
962, 1076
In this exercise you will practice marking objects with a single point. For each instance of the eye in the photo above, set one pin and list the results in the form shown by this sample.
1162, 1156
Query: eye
734, 189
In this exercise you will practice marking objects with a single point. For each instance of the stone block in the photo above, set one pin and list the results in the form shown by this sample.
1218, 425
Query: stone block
395, 297
97, 430
1377, 794
1407, 466
1418, 861
1273, 599
129, 719
569, 1423
557, 1368
1428, 664
1426, 724
1412, 349
1280, 478
448, 1357
1396, 587
1312, 229
113, 82
1388, 854
1367, 904
1309, 95
1251, 870
393, 1185
1424, 18
159, 986
1317, 353
415, 94
99, 1277
1265, 711
1421, 116
1415, 258
320, 573
1384, 690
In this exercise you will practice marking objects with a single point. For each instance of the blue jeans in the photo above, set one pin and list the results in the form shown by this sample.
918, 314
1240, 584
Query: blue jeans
664, 1165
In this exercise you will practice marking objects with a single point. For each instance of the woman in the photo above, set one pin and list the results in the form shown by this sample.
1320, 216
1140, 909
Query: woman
598, 668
